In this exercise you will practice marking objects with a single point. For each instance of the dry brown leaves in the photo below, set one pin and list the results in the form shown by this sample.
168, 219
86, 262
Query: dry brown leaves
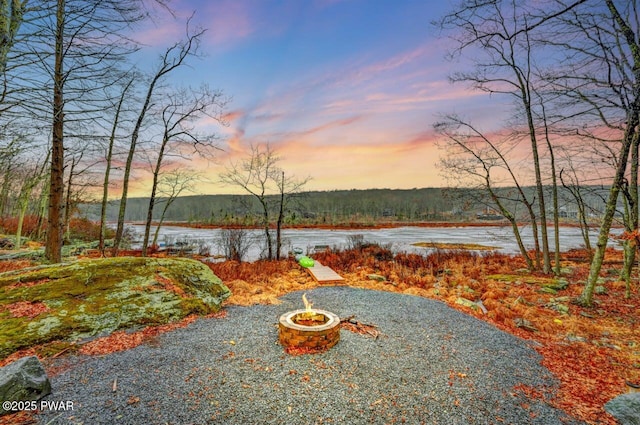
122, 340
170, 286
262, 282
299, 351
24, 417
355, 326
7, 266
590, 374
27, 284
26, 309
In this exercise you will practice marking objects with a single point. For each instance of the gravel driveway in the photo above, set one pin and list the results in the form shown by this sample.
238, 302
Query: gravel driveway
431, 364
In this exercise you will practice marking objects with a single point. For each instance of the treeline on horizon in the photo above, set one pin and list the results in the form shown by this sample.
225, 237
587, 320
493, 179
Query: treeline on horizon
346, 206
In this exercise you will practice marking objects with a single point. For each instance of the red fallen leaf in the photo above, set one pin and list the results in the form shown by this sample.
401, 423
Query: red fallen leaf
170, 286
298, 351
26, 309
28, 284
133, 400
24, 417
222, 314
121, 340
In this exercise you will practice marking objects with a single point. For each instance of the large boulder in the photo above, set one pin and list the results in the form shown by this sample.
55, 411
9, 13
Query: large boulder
94, 297
625, 408
23, 380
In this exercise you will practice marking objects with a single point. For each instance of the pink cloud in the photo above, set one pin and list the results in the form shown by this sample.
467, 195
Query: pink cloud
227, 22
153, 35
230, 21
232, 116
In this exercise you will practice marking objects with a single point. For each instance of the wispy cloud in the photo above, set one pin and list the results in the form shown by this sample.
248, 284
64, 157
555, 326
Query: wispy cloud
229, 21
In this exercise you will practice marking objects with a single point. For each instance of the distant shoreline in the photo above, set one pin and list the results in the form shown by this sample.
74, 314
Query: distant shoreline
361, 226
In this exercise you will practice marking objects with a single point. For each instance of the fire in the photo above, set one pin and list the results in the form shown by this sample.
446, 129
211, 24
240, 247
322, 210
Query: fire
307, 304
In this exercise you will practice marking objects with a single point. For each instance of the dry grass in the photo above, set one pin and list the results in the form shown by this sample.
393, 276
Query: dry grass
592, 351
261, 282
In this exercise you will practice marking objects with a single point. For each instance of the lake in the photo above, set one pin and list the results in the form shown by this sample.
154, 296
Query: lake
399, 238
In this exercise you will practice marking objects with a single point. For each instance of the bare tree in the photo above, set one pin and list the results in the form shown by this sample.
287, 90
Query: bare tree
173, 58
474, 159
53, 247
260, 176
630, 191
172, 184
33, 177
498, 35
181, 109
571, 183
11, 16
289, 188
69, 51
255, 175
234, 243
118, 106
599, 80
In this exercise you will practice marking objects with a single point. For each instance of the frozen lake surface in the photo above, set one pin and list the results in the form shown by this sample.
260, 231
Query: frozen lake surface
399, 238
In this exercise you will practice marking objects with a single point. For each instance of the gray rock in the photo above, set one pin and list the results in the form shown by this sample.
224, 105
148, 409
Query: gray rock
23, 380
625, 408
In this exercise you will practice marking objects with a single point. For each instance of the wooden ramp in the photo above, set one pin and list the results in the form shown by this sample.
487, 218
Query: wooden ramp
324, 274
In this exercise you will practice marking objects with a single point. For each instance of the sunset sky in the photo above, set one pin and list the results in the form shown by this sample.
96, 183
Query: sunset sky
346, 91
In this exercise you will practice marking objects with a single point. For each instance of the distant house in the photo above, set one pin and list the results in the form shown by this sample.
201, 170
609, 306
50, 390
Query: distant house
564, 212
489, 214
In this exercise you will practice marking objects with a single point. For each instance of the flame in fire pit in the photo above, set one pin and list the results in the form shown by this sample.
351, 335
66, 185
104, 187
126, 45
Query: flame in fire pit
307, 304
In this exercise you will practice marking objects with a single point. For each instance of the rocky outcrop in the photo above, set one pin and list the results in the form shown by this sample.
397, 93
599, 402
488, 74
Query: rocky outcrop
625, 408
23, 380
95, 297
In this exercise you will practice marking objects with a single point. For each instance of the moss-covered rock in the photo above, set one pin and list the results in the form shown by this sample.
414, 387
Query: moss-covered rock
97, 296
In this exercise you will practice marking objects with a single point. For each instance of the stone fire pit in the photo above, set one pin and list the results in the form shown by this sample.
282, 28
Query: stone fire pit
315, 330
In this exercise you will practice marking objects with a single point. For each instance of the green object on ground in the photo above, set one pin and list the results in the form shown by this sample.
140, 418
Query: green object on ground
305, 261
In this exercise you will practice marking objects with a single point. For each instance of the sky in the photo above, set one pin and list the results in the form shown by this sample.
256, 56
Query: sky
345, 91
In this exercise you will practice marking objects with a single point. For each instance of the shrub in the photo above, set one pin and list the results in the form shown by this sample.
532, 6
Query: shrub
234, 243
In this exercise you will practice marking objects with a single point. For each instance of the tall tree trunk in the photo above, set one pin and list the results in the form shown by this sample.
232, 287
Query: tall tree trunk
42, 211
67, 202
631, 245
53, 247
554, 193
127, 169
534, 232
156, 233
23, 202
11, 16
546, 267
280, 219
514, 224
107, 172
630, 137
267, 233
152, 198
